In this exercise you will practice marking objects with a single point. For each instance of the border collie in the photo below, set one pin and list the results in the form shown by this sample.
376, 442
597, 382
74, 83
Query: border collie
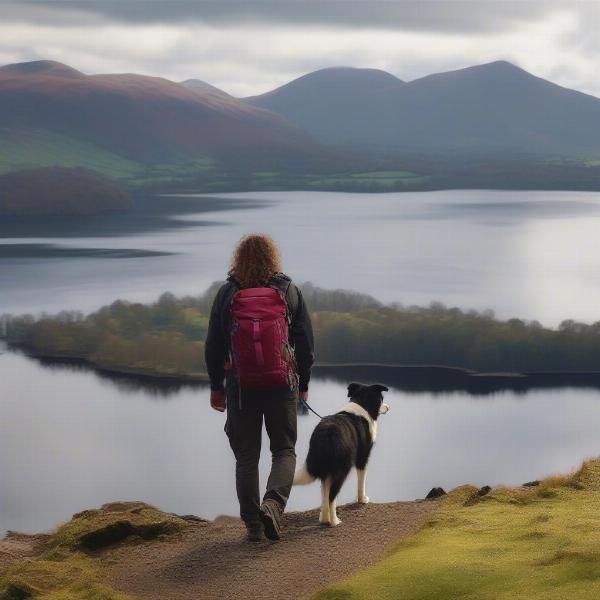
340, 442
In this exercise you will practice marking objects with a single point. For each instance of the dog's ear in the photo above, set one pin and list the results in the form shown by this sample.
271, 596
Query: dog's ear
380, 388
353, 388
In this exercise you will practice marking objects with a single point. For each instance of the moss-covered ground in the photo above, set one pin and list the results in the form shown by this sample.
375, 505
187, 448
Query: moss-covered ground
67, 568
522, 543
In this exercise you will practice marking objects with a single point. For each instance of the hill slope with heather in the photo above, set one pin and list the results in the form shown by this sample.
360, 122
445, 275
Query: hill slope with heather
135, 118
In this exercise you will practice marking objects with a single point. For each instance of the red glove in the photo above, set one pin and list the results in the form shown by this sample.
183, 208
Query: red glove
218, 400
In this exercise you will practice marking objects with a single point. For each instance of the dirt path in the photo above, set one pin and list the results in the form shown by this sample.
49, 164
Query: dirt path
212, 560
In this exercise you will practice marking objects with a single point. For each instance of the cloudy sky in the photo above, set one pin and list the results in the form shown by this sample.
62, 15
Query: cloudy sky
247, 47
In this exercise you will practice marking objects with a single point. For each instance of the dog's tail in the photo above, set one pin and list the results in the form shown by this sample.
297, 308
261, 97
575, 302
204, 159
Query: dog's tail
302, 476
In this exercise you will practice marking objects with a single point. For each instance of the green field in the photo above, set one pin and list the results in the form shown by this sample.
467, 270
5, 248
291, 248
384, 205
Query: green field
512, 544
40, 148
363, 181
43, 148
47, 149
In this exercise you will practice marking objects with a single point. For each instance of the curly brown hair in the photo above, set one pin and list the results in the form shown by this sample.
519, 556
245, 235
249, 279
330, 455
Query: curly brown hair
255, 260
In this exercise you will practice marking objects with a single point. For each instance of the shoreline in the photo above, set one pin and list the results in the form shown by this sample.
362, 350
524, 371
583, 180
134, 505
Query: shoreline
404, 376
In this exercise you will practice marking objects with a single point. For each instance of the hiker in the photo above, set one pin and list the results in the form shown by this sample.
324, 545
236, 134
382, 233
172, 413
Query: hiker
260, 342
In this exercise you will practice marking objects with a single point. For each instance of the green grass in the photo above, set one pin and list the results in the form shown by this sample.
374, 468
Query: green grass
376, 179
512, 544
64, 572
172, 174
366, 181
45, 149
93, 528
56, 577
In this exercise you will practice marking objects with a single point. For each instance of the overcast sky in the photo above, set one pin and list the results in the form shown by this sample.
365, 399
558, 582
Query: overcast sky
247, 47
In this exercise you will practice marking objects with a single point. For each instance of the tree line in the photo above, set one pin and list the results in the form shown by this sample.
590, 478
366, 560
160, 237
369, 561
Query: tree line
167, 337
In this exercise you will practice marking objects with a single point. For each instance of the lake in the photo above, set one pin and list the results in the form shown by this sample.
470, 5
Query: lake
72, 439
535, 255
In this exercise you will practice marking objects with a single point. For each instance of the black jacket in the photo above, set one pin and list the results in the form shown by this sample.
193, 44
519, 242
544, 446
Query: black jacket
217, 338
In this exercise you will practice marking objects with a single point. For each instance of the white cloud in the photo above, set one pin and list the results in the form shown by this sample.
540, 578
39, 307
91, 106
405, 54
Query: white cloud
246, 59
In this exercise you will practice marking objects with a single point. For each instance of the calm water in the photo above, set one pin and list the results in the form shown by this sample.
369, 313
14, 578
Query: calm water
71, 439
529, 254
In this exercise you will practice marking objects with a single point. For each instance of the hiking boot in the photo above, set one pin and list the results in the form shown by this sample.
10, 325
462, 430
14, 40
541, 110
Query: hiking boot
270, 515
254, 532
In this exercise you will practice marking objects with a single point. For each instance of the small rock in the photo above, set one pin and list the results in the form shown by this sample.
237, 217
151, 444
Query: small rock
84, 514
436, 492
531, 483
192, 518
484, 491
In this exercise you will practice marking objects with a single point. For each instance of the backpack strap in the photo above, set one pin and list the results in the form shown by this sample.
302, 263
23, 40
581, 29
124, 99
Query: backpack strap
283, 283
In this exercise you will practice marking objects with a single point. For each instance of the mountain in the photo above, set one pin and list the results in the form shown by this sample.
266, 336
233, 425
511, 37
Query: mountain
494, 108
203, 88
139, 118
332, 104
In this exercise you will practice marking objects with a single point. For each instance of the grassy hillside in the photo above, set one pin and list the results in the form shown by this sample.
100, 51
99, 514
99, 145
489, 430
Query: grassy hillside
42, 148
206, 173
540, 542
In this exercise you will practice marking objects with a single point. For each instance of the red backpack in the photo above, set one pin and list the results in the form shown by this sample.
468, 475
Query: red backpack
261, 355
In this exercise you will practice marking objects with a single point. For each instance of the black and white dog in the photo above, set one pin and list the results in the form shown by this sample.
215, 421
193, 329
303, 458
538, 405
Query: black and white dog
340, 442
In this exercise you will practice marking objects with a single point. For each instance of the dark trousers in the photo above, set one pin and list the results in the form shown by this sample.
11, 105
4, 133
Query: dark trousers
245, 414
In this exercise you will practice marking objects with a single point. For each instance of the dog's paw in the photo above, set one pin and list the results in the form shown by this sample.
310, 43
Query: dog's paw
363, 500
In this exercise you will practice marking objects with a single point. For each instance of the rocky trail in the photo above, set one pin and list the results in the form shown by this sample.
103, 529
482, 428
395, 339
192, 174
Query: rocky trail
211, 559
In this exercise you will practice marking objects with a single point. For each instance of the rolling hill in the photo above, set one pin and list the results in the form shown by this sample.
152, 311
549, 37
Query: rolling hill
493, 125
335, 105
495, 108
132, 119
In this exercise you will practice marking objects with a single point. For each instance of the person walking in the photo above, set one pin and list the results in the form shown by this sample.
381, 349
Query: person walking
259, 353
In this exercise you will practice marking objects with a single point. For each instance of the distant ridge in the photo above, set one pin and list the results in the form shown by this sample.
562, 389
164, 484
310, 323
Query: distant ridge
495, 108
147, 119
331, 104
40, 67
339, 128
201, 87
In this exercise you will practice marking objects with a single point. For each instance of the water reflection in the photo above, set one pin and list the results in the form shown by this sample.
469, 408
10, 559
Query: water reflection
414, 379
156, 387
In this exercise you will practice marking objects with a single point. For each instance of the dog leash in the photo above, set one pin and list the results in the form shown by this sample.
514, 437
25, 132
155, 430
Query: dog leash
307, 405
